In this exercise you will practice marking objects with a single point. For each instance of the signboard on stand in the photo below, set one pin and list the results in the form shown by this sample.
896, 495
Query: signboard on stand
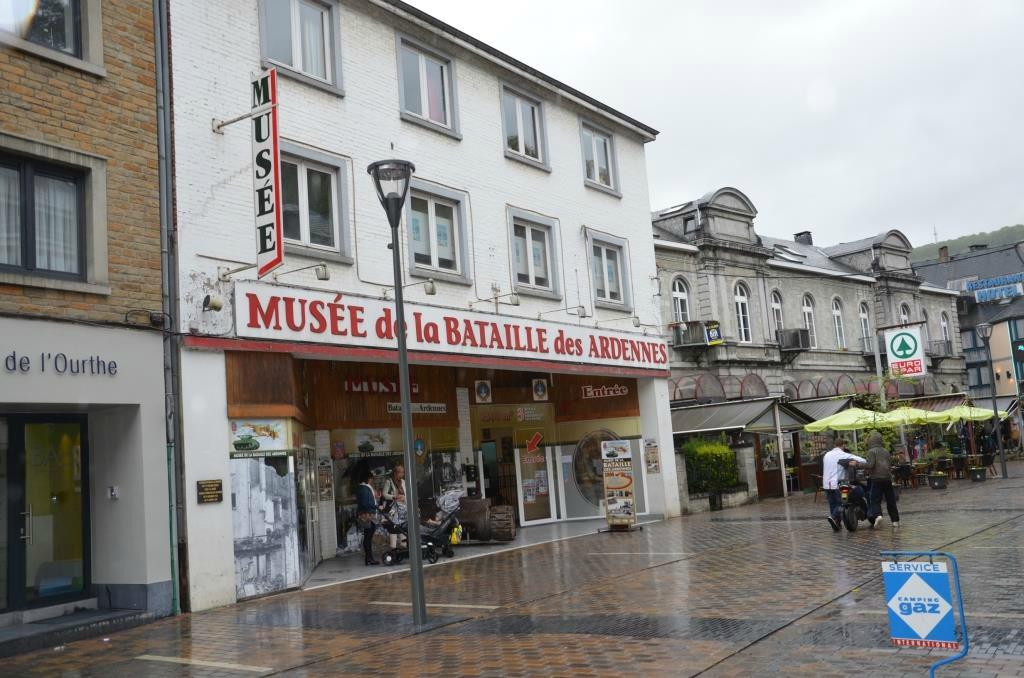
619, 499
906, 352
919, 604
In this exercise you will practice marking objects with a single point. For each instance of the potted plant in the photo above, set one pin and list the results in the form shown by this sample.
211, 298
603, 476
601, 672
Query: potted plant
710, 468
937, 480
978, 474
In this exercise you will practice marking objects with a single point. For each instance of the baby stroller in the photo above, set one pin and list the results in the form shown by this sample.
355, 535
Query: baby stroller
435, 536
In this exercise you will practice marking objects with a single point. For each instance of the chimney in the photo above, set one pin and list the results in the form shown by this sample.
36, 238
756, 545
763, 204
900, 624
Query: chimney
978, 247
944, 253
803, 237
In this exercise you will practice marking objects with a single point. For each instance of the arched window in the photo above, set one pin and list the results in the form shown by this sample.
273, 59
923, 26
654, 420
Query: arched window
926, 336
742, 298
777, 310
944, 328
837, 323
904, 314
808, 309
680, 300
865, 329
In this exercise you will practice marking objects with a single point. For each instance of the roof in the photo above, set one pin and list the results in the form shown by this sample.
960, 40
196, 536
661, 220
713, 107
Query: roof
820, 408
515, 63
935, 403
864, 243
986, 263
809, 255
754, 416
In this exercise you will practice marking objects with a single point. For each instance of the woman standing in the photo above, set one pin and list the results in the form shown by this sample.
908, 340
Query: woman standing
366, 510
394, 492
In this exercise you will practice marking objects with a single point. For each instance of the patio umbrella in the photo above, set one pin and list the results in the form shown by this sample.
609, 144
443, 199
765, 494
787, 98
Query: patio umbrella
847, 420
906, 416
966, 413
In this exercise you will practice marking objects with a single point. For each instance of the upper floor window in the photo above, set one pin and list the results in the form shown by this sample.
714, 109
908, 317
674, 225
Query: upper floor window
865, 327
904, 314
944, 326
742, 300
926, 336
311, 212
680, 301
434, 232
808, 312
607, 263
598, 158
42, 218
522, 122
300, 36
532, 251
777, 311
837, 323
50, 23
426, 87
689, 225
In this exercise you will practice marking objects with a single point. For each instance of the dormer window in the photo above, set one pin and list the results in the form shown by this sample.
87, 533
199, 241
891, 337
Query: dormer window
690, 225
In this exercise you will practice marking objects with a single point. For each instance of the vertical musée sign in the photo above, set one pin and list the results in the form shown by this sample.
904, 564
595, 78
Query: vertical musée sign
266, 165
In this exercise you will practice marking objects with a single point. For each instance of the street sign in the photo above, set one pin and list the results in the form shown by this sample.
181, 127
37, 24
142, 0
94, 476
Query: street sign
906, 352
919, 604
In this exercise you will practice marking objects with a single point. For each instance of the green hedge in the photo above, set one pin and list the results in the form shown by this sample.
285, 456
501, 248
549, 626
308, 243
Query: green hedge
710, 466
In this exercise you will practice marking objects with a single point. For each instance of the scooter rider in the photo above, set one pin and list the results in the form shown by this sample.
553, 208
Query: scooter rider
832, 473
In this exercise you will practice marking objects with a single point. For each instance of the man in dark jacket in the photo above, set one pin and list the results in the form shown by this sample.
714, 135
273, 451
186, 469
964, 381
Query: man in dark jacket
879, 470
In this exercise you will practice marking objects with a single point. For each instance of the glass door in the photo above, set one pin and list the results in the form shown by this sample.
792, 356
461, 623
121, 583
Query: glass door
535, 475
47, 498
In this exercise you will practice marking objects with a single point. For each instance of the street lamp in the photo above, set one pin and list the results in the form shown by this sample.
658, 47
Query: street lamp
985, 333
391, 179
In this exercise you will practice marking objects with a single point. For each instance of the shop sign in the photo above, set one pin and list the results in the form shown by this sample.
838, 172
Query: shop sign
50, 362
997, 293
919, 604
905, 352
652, 456
209, 491
604, 391
619, 500
254, 438
419, 408
377, 386
713, 333
266, 167
265, 311
999, 281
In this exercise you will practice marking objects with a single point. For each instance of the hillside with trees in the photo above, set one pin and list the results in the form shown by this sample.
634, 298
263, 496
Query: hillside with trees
1002, 236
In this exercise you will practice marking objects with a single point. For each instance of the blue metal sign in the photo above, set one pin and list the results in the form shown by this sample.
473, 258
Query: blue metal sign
920, 605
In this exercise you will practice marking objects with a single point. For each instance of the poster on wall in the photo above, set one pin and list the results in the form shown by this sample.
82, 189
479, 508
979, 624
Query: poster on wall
254, 438
373, 440
540, 389
325, 479
482, 388
652, 456
619, 502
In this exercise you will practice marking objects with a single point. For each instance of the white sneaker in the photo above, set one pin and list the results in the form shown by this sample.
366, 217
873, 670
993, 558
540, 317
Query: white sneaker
878, 521
896, 526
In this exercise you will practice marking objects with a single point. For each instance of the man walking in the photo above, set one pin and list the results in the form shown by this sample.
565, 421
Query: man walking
831, 475
879, 469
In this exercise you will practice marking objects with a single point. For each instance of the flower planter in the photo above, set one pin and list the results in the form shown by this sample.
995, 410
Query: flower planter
715, 501
978, 474
938, 481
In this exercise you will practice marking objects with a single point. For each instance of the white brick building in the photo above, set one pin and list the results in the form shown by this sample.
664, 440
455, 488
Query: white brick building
365, 80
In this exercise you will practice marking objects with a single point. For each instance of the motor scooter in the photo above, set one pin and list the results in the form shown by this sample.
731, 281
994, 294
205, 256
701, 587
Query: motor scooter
853, 497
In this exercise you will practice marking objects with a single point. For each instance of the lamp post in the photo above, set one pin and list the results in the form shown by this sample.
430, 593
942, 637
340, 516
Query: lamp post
985, 333
391, 179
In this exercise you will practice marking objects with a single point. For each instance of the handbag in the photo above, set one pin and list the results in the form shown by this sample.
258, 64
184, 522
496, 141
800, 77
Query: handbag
364, 520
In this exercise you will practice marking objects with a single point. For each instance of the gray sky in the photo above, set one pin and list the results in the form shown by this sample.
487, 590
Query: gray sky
845, 118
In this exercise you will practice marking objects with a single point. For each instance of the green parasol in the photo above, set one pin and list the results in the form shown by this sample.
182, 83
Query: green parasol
966, 413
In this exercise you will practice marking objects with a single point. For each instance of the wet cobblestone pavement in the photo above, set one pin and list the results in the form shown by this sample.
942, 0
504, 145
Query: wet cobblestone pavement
759, 590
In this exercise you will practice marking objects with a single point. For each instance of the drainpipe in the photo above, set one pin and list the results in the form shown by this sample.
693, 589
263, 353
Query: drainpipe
169, 269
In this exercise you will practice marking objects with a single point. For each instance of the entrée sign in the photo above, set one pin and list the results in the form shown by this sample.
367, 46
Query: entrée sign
286, 313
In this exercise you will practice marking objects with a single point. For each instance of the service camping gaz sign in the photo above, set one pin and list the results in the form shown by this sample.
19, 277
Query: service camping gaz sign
906, 352
264, 311
266, 167
919, 604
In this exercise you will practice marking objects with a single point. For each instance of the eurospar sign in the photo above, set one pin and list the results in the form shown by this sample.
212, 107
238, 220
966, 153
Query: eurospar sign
905, 351
281, 313
266, 165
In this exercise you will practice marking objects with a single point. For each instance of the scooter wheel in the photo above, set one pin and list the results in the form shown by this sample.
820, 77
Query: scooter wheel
448, 552
432, 555
850, 519
387, 559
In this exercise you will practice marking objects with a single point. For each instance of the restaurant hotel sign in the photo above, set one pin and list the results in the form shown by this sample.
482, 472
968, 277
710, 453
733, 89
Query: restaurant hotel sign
266, 166
265, 311
994, 289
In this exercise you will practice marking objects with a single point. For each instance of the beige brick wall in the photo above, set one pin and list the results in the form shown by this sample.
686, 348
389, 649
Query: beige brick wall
113, 117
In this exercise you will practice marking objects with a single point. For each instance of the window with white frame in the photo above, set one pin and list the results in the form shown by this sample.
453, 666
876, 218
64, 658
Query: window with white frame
597, 157
944, 327
434, 232
777, 311
865, 327
521, 120
310, 201
741, 298
531, 245
607, 267
426, 85
926, 336
904, 314
837, 323
298, 34
808, 313
680, 301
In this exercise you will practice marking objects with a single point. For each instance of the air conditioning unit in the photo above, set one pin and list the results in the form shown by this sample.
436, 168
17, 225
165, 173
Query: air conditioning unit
793, 340
691, 333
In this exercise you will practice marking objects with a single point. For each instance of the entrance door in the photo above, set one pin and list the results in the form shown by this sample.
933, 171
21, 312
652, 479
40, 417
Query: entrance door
44, 501
307, 496
769, 471
535, 473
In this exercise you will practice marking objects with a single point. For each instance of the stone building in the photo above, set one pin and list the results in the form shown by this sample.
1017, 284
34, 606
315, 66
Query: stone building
798, 320
84, 510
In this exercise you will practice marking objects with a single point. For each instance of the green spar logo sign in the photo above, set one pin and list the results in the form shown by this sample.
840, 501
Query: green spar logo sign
903, 345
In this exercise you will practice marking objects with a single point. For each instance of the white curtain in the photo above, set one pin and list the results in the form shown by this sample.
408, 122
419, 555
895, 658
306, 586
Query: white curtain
10, 217
311, 23
56, 203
